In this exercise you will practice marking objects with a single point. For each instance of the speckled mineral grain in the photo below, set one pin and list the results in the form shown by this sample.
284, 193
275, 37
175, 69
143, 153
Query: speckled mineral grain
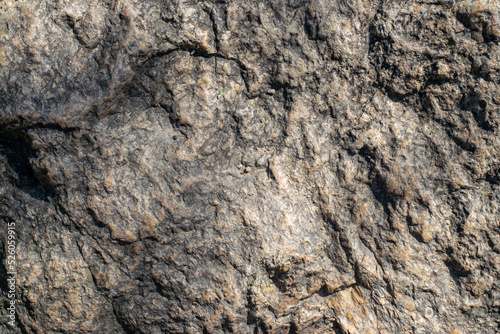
243, 166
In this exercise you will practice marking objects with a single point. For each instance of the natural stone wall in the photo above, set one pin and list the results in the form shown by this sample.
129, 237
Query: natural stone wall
288, 166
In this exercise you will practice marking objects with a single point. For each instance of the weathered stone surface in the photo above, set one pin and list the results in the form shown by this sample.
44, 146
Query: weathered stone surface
251, 166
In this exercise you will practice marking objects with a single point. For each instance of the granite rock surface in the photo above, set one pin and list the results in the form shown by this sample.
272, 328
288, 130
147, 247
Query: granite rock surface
216, 166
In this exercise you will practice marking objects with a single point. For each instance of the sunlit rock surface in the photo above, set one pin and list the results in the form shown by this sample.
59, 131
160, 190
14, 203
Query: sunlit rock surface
286, 166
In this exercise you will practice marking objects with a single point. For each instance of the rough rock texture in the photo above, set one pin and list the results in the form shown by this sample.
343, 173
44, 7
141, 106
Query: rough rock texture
216, 166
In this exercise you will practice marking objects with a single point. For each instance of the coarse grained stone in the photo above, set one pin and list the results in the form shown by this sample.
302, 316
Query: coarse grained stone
220, 166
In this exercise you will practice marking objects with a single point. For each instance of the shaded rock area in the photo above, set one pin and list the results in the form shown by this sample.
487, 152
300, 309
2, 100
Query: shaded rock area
216, 166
